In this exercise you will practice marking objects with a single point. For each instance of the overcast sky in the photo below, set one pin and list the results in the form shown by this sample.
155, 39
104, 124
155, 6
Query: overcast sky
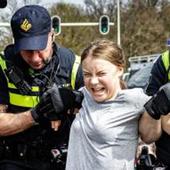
78, 2
73, 1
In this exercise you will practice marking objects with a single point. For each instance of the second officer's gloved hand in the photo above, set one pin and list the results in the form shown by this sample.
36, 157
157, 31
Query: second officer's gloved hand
56, 101
159, 104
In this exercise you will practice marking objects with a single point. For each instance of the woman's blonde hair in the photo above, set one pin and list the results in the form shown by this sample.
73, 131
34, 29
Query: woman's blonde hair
107, 50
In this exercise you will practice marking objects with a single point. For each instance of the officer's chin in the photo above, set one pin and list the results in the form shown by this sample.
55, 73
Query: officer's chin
38, 67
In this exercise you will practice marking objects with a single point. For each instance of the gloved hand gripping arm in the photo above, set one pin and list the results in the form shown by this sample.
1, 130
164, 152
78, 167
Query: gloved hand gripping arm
56, 101
159, 104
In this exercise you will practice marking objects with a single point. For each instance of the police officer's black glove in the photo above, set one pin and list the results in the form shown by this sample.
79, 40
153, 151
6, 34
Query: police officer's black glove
159, 104
55, 102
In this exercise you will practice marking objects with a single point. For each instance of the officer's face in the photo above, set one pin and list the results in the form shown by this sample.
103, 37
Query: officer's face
38, 58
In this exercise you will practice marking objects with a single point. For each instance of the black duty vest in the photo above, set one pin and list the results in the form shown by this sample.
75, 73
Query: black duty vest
163, 144
43, 137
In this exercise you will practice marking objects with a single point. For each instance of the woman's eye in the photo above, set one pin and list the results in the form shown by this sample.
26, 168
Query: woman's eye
102, 74
86, 75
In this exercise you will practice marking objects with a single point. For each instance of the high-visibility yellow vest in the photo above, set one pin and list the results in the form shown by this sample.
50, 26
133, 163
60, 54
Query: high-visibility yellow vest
15, 98
166, 62
74, 71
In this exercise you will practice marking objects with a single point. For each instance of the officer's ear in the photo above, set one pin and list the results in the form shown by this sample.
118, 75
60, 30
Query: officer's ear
53, 34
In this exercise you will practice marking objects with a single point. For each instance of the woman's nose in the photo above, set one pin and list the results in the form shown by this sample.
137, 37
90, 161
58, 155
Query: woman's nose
94, 80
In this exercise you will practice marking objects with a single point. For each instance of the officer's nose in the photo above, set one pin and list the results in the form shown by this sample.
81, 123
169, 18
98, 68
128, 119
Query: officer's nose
35, 55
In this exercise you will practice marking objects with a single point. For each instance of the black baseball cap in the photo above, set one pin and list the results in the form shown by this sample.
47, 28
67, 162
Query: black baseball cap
30, 25
3, 3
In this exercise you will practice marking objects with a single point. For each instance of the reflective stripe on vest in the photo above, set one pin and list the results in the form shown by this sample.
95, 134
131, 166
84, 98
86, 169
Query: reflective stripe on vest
31, 101
166, 62
74, 70
19, 99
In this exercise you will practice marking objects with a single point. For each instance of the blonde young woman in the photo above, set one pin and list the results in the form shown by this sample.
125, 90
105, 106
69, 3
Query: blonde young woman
104, 134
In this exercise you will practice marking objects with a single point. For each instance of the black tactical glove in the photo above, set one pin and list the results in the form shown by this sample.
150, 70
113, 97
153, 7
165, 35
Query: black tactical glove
159, 104
56, 101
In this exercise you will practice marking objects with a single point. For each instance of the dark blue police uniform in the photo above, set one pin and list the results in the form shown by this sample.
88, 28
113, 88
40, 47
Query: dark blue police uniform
159, 77
39, 147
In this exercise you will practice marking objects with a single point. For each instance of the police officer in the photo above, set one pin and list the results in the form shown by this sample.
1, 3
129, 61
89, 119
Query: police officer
29, 69
160, 77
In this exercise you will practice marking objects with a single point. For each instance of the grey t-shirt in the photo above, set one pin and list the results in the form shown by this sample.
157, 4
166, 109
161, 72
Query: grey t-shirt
104, 135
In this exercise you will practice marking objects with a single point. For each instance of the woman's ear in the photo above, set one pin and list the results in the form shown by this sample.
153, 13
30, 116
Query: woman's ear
120, 71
